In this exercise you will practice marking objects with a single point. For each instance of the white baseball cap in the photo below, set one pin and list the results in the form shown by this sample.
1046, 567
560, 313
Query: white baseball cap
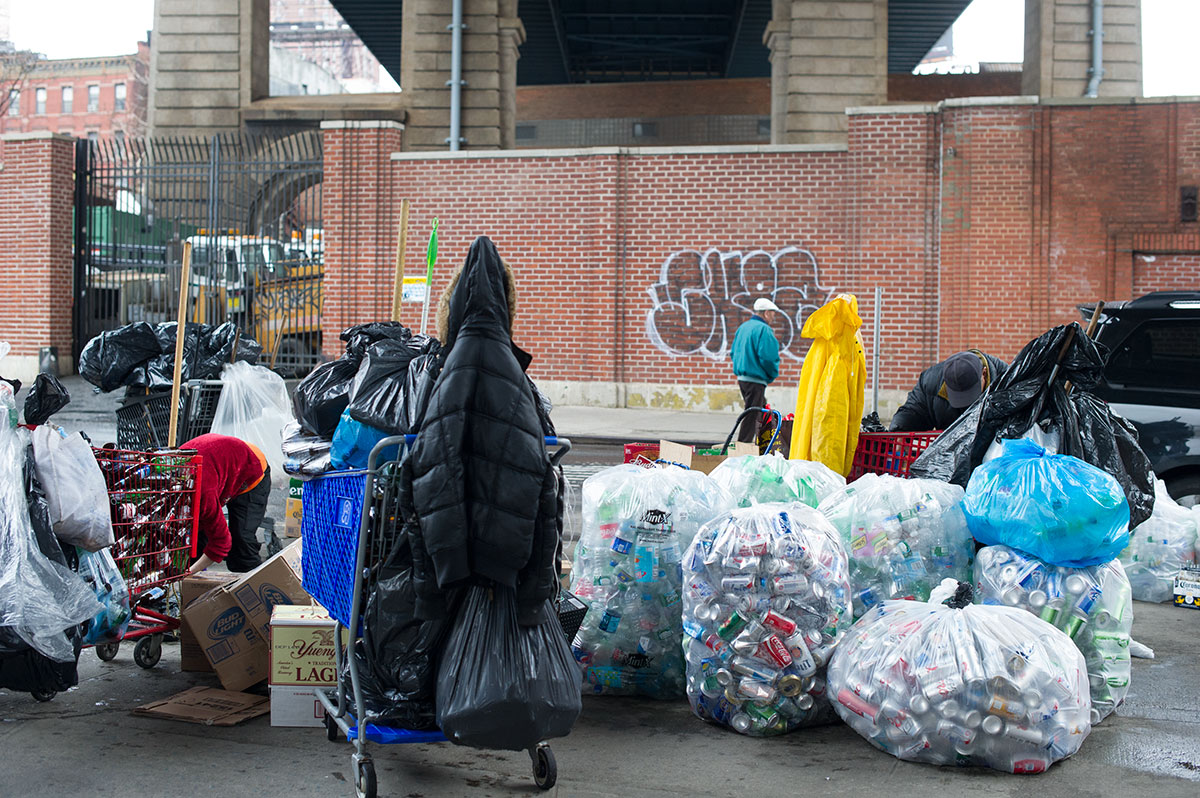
762, 303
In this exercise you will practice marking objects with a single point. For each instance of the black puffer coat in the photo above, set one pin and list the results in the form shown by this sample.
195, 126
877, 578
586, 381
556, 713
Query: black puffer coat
478, 479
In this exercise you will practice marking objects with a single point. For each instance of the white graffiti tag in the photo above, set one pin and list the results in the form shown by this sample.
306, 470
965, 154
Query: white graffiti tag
701, 298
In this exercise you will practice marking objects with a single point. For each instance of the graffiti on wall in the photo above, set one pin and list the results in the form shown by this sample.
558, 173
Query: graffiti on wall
701, 298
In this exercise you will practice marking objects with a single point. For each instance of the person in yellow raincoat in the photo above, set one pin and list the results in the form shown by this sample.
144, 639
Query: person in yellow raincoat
829, 402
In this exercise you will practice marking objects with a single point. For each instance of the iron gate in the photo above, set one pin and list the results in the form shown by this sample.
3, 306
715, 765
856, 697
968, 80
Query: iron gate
250, 206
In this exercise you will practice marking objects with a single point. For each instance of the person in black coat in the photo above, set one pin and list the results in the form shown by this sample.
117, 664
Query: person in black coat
478, 479
945, 390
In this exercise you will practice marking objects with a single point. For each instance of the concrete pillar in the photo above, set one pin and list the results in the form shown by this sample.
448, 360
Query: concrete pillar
208, 62
1058, 48
489, 71
359, 210
832, 54
37, 187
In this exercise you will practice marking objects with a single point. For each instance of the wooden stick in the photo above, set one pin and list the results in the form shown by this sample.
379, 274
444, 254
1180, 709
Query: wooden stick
1093, 323
401, 242
180, 334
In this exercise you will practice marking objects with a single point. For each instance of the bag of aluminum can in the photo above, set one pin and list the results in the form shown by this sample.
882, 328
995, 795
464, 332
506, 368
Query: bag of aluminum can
766, 598
636, 523
903, 537
752, 479
1159, 547
962, 684
1092, 605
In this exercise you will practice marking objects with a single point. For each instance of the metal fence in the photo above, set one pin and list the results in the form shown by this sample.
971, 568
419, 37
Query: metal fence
250, 206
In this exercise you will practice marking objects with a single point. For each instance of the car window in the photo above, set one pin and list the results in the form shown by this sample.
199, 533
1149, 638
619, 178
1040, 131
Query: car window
1158, 354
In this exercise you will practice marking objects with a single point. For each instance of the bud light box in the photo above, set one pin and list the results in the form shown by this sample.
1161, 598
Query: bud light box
1187, 587
191, 656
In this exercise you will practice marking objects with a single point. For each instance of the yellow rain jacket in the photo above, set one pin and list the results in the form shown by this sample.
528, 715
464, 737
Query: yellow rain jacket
829, 403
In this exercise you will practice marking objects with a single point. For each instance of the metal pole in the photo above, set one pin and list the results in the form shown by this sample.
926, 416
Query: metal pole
875, 351
1096, 70
456, 26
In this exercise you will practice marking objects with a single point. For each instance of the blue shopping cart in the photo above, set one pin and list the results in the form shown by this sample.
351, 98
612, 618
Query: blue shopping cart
351, 522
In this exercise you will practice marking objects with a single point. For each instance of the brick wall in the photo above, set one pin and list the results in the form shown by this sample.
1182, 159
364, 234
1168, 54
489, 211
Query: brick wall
36, 188
983, 223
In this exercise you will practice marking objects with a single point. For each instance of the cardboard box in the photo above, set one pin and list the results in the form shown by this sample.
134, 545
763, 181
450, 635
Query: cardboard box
685, 455
293, 509
295, 706
233, 647
302, 647
1187, 587
191, 655
208, 706
275, 582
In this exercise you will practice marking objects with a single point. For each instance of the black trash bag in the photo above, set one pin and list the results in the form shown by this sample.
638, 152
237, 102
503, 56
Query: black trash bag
871, 423
502, 685
1022, 397
360, 337
108, 359
216, 349
398, 654
206, 350
377, 398
25, 670
321, 397
418, 384
47, 397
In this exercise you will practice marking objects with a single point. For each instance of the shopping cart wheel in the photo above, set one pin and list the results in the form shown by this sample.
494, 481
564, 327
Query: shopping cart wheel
545, 769
107, 652
331, 728
148, 651
364, 781
43, 695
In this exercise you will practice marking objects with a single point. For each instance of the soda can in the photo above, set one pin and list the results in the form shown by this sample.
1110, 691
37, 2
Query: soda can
1025, 734
766, 716
1087, 601
716, 644
1030, 764
789, 584
785, 626
895, 715
999, 705
857, 705
1074, 624
756, 690
960, 735
992, 725
724, 677
732, 695
914, 748
735, 623
773, 650
741, 722
804, 702
755, 670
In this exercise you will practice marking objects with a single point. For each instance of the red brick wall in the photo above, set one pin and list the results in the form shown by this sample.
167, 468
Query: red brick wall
1165, 273
983, 224
36, 188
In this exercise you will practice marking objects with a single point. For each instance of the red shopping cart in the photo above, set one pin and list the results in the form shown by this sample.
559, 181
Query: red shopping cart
154, 501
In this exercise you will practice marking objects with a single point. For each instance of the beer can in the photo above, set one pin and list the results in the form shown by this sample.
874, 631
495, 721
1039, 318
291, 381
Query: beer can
791, 685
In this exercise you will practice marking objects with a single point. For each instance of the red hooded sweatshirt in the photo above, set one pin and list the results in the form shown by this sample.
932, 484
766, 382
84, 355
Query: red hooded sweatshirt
230, 468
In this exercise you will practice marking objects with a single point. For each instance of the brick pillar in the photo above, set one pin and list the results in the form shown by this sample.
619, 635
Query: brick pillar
832, 54
358, 211
36, 198
1058, 48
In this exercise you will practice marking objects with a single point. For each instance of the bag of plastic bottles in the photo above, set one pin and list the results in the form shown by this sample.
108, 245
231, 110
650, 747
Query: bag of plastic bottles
1052, 506
101, 574
766, 598
1160, 546
773, 478
903, 537
1092, 605
636, 524
962, 684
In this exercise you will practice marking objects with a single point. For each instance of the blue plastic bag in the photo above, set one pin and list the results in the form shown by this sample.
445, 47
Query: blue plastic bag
1055, 507
103, 576
353, 441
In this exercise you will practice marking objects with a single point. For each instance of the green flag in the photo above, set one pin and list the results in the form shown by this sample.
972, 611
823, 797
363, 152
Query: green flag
431, 253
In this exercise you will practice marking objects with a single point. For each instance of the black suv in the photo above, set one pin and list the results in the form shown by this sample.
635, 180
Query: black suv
1152, 378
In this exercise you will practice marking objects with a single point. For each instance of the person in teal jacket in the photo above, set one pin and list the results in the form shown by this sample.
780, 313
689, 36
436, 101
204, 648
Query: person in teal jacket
755, 354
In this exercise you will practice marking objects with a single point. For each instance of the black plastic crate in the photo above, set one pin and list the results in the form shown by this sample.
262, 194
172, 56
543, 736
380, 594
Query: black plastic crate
143, 422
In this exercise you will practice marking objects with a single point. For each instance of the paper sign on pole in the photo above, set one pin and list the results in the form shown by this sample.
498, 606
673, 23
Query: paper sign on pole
415, 289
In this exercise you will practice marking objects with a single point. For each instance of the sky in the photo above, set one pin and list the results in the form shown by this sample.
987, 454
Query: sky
989, 30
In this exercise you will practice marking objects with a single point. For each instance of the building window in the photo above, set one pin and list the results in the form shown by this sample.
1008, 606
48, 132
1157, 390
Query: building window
93, 137
526, 132
645, 130
764, 126
14, 102
68, 99
119, 97
39, 101
119, 138
93, 99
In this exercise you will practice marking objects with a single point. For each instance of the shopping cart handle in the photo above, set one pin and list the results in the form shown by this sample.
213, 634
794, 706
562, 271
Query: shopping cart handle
408, 440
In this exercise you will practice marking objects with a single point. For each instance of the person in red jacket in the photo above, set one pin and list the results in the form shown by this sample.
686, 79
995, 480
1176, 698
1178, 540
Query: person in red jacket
235, 480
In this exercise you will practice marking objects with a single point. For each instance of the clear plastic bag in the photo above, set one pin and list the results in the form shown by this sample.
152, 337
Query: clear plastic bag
305, 455
766, 598
39, 598
1052, 506
768, 478
981, 685
1093, 606
903, 537
76, 493
1160, 546
254, 407
502, 685
636, 524
100, 572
